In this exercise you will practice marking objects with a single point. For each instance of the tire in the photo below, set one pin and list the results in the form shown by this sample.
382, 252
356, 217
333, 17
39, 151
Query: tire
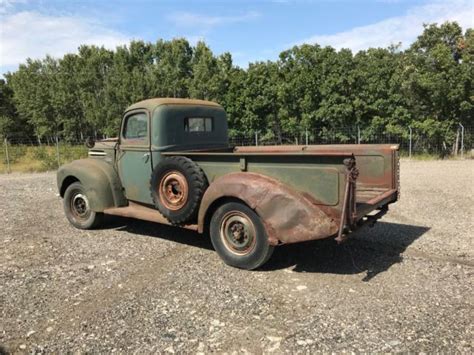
177, 186
77, 209
239, 237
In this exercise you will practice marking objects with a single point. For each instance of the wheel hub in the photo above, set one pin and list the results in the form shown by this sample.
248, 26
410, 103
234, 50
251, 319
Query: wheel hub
173, 190
80, 205
238, 232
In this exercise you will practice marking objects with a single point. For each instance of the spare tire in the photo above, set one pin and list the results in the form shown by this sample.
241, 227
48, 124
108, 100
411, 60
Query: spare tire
177, 186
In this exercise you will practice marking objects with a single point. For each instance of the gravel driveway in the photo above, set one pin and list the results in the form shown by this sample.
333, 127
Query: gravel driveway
404, 285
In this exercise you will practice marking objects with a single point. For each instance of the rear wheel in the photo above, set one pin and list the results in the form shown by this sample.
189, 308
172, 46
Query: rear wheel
77, 208
238, 235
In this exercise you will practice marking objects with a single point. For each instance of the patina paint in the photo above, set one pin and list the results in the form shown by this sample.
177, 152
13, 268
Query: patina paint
289, 216
133, 163
315, 175
99, 178
300, 192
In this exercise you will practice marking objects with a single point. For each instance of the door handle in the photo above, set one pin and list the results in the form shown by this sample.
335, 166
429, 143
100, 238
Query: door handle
146, 156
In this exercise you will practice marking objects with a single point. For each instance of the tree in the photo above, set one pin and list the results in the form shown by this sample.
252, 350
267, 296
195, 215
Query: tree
437, 82
204, 83
67, 101
128, 80
328, 92
11, 123
93, 68
172, 68
35, 90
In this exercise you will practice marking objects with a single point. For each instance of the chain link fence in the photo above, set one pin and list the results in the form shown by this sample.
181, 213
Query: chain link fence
28, 155
455, 142
20, 154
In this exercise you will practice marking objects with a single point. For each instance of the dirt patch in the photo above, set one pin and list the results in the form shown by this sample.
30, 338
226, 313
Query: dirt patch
404, 285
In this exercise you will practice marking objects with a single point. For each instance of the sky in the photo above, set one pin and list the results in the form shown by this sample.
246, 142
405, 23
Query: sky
249, 30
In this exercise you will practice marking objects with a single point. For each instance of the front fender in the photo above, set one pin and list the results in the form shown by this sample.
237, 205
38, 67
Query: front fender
289, 216
99, 178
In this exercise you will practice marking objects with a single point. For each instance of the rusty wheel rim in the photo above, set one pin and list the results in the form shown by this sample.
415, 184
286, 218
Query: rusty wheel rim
173, 190
80, 206
238, 233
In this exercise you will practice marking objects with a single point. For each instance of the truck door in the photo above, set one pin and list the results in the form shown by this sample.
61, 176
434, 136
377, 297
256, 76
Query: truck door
133, 158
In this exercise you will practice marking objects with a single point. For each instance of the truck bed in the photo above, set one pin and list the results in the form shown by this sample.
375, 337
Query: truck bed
314, 170
378, 181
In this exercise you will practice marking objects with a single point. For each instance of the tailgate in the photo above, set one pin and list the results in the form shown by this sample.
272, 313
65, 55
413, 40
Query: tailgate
379, 179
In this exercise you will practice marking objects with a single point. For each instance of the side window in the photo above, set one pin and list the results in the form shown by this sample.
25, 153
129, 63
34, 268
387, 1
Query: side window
136, 128
198, 124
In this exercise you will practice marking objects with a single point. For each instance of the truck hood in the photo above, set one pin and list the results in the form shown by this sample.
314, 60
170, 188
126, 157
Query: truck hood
108, 143
104, 149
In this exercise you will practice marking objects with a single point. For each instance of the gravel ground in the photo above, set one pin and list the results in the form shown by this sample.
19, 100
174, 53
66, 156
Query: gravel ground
404, 285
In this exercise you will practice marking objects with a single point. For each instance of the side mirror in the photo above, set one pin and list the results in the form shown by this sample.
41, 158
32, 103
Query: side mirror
90, 142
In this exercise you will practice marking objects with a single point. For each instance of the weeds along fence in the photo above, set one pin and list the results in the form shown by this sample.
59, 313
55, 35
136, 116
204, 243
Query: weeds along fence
20, 154
26, 155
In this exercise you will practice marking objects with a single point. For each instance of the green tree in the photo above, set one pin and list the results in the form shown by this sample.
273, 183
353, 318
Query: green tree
93, 68
128, 80
205, 81
67, 101
172, 68
35, 91
328, 92
438, 79
379, 103
11, 124
260, 99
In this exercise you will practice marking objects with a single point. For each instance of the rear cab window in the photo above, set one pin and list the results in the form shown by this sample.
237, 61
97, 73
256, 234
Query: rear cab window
198, 124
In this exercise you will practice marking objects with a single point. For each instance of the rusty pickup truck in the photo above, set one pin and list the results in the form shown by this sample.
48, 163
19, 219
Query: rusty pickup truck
172, 164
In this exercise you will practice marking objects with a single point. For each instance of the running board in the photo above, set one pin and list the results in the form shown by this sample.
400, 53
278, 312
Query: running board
137, 211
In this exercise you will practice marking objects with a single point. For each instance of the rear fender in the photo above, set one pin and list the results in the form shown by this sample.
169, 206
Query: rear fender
288, 215
99, 178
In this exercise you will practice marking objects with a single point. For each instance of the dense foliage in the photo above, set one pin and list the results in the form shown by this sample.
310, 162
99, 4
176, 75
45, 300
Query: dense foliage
427, 86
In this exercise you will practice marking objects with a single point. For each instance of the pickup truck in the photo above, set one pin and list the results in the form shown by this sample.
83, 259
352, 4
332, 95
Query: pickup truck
172, 164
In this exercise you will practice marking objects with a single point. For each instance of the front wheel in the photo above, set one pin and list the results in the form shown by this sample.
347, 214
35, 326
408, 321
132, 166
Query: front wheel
77, 208
238, 235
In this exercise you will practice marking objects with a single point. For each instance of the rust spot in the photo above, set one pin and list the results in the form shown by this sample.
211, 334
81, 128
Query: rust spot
288, 215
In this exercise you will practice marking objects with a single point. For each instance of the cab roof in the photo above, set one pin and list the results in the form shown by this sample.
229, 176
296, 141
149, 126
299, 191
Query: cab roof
151, 104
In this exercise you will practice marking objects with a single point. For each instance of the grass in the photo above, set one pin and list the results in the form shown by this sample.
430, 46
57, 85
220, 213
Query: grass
28, 159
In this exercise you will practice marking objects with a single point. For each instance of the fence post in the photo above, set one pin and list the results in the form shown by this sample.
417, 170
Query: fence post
462, 141
358, 134
306, 135
409, 147
256, 138
57, 152
6, 154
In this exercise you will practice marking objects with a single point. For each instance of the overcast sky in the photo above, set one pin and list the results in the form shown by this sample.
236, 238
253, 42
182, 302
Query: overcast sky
250, 30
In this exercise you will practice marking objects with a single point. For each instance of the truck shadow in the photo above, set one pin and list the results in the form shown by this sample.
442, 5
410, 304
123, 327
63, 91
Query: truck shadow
161, 231
369, 250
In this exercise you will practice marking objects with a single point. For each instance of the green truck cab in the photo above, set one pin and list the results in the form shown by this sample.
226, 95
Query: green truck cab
172, 164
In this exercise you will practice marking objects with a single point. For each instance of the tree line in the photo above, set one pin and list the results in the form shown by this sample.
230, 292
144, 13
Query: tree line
427, 86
